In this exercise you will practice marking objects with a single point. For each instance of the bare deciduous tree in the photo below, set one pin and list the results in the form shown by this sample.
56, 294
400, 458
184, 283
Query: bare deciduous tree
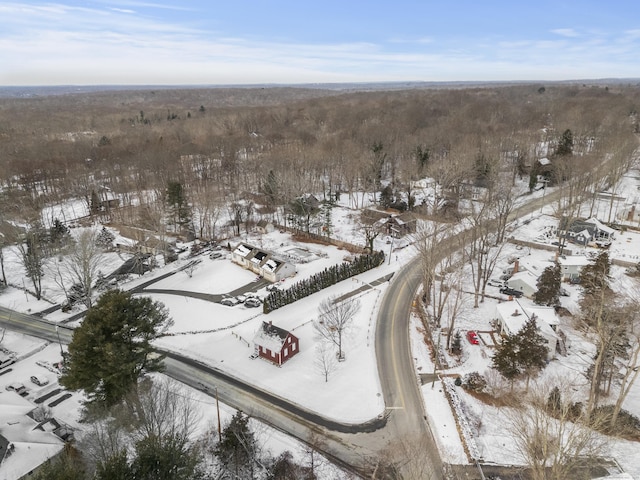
82, 264
33, 256
555, 439
334, 318
325, 360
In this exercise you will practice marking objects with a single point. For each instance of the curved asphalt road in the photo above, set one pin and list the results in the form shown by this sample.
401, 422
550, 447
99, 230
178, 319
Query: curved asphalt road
356, 446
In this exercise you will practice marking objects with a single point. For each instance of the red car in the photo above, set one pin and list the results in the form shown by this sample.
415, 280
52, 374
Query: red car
473, 337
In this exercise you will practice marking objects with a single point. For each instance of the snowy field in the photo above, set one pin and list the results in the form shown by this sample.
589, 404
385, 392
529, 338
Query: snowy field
222, 336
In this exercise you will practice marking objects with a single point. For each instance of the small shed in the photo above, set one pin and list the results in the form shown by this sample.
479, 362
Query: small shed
275, 344
264, 226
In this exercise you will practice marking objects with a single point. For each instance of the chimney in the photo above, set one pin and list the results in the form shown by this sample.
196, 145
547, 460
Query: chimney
516, 266
515, 313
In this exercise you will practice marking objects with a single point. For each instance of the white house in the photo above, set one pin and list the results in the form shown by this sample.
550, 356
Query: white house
24, 443
512, 316
262, 262
524, 281
571, 266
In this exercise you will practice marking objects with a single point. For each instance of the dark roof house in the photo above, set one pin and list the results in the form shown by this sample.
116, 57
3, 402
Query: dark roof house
275, 344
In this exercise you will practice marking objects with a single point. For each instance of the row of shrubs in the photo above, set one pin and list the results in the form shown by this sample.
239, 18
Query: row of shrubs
329, 276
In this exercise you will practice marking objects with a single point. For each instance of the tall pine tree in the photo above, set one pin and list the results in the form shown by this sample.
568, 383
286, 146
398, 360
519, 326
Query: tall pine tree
548, 284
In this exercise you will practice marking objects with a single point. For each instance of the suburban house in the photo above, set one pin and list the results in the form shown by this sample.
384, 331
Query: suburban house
543, 166
571, 266
25, 443
512, 316
262, 262
275, 344
524, 281
396, 226
584, 232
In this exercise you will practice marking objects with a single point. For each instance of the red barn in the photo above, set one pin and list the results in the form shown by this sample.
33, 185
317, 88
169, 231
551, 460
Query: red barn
275, 344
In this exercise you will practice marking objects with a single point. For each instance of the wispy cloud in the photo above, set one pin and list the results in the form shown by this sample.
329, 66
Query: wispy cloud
566, 32
122, 10
120, 41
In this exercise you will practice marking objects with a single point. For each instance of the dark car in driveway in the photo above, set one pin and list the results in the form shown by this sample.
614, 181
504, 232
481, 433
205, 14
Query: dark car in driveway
511, 292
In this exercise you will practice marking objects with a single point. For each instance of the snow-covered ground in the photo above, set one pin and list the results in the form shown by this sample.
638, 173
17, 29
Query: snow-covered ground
223, 335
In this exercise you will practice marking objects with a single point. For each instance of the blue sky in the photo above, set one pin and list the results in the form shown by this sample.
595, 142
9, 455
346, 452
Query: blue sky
296, 41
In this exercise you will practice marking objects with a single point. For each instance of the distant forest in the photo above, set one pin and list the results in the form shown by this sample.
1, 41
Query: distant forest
248, 152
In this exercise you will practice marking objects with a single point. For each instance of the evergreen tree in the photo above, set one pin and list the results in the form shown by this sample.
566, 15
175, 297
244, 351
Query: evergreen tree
554, 402
115, 468
271, 189
59, 234
94, 204
67, 466
456, 343
237, 449
386, 197
422, 155
105, 239
166, 457
565, 144
178, 205
522, 355
548, 284
533, 179
533, 349
112, 346
595, 276
506, 358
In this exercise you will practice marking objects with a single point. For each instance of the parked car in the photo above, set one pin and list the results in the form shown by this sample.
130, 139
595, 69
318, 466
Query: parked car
229, 301
273, 287
254, 355
511, 291
241, 298
252, 302
6, 360
214, 255
473, 337
17, 387
39, 380
495, 282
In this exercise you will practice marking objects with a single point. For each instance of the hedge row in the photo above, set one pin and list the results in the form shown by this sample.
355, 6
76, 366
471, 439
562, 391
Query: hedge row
329, 276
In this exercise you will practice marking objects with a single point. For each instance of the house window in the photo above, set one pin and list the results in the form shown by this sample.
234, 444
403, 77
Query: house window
286, 351
293, 347
289, 340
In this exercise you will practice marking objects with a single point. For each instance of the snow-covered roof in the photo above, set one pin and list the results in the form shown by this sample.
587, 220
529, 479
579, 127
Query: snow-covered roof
525, 277
514, 316
271, 265
528, 263
242, 250
30, 446
270, 337
601, 226
546, 314
573, 260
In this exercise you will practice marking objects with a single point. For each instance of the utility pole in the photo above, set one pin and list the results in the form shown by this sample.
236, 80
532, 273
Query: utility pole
59, 342
218, 410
